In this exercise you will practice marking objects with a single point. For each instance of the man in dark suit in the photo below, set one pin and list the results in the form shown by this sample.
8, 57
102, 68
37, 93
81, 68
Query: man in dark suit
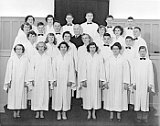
76, 39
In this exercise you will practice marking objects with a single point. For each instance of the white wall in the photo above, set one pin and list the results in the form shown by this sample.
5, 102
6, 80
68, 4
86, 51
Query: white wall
21, 8
139, 9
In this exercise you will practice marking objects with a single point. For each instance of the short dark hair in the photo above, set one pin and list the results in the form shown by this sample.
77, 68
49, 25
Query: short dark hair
48, 16
40, 23
31, 33
25, 23
116, 44
142, 47
130, 18
51, 34
137, 28
128, 37
28, 16
106, 34
90, 44
66, 32
45, 46
119, 27
101, 26
89, 13
65, 43
23, 49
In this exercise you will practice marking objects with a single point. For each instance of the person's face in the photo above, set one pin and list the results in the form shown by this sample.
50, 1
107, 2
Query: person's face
109, 21
101, 31
32, 38
63, 48
136, 32
117, 32
50, 38
57, 27
69, 19
142, 52
115, 50
92, 49
106, 39
130, 22
76, 30
85, 39
30, 20
89, 17
41, 48
129, 42
67, 37
50, 20
26, 28
40, 28
19, 50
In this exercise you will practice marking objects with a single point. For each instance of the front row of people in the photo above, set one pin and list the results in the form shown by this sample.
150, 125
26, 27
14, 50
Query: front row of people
114, 76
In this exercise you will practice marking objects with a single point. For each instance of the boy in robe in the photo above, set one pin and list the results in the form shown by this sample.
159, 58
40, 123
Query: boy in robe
143, 82
15, 80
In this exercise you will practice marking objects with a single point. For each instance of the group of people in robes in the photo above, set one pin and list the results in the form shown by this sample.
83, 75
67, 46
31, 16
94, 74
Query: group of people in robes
100, 63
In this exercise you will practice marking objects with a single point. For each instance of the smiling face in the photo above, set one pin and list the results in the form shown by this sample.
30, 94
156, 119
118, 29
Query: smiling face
50, 21
50, 38
85, 39
101, 31
115, 50
30, 20
130, 22
129, 42
142, 52
109, 21
117, 31
89, 17
63, 48
41, 47
136, 33
106, 39
32, 38
92, 49
57, 26
67, 37
19, 50
26, 29
69, 19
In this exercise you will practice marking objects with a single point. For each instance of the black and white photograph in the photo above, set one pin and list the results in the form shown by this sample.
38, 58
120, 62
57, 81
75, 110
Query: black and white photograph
79, 62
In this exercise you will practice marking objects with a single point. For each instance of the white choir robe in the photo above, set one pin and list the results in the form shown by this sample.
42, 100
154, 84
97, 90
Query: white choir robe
140, 42
143, 77
49, 29
64, 72
99, 40
128, 32
68, 28
17, 75
92, 72
59, 38
129, 55
82, 52
20, 39
90, 29
41, 73
106, 53
117, 73
120, 39
41, 38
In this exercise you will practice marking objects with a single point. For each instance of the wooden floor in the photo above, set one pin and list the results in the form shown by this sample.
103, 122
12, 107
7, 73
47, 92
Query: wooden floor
76, 117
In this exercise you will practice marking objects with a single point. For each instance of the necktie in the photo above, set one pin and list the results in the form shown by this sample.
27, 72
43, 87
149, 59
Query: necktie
89, 23
40, 34
58, 33
142, 58
130, 28
105, 45
69, 24
128, 47
109, 26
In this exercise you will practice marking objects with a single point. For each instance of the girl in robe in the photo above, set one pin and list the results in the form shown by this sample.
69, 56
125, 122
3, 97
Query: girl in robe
118, 79
91, 77
65, 80
15, 80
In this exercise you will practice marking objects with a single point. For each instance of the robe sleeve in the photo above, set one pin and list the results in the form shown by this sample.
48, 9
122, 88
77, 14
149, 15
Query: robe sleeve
27, 71
31, 69
102, 70
75, 56
126, 72
107, 69
50, 70
151, 77
54, 69
83, 71
8, 75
